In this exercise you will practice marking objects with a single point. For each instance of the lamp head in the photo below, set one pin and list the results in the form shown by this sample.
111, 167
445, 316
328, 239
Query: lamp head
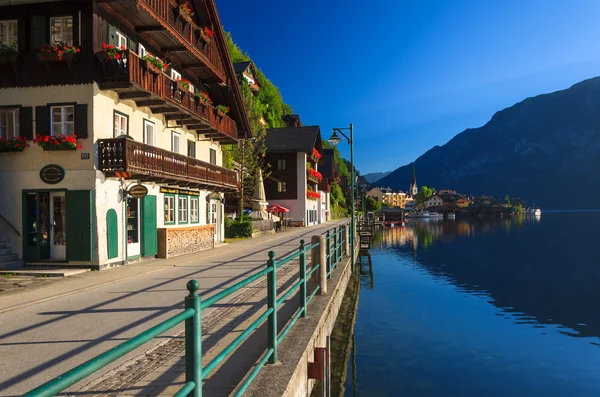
335, 138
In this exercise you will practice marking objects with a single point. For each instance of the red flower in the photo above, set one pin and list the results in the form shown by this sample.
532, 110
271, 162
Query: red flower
78, 50
78, 146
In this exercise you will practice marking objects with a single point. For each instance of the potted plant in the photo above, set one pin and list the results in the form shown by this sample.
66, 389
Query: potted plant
222, 110
111, 52
185, 12
57, 52
60, 142
316, 154
205, 34
204, 98
183, 85
155, 64
17, 144
8, 54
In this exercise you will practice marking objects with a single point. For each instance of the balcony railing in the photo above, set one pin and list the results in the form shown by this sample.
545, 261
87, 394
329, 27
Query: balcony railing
164, 11
149, 163
131, 74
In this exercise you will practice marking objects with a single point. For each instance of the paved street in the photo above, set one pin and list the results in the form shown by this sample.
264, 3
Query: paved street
97, 311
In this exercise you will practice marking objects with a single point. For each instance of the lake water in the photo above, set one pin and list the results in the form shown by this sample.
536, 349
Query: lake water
481, 308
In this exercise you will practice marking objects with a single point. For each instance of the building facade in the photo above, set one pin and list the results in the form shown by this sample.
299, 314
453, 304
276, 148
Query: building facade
124, 156
434, 201
388, 197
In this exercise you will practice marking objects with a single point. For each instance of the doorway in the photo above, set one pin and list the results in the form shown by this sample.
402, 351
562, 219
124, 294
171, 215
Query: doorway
45, 226
133, 227
214, 217
58, 225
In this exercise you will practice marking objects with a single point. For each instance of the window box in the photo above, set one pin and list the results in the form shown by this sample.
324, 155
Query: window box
17, 144
54, 57
205, 34
151, 68
153, 64
9, 60
185, 12
52, 143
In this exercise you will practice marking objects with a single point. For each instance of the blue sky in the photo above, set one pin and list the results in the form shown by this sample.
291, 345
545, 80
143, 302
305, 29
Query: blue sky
412, 74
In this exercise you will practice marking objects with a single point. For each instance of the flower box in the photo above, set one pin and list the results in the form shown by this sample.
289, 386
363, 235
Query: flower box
9, 60
152, 68
54, 57
17, 144
57, 52
51, 143
222, 110
185, 12
183, 85
205, 34
153, 64
60, 146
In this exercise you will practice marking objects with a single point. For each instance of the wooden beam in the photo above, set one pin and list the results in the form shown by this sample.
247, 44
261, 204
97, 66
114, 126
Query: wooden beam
153, 28
150, 102
173, 49
166, 109
181, 116
134, 95
193, 65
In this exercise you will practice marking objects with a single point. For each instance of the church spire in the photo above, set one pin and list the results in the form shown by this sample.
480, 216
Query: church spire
414, 180
413, 189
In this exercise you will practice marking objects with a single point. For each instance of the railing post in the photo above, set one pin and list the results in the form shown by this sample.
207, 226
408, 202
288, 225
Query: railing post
346, 240
319, 257
302, 278
328, 253
334, 252
341, 242
272, 304
193, 340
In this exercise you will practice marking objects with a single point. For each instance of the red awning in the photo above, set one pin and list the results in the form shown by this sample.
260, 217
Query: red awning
277, 208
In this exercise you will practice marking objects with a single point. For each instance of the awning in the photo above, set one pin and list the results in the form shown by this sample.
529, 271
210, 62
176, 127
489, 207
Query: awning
277, 208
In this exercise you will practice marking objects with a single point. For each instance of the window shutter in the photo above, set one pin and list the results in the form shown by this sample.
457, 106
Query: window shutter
39, 31
81, 121
22, 35
42, 120
112, 35
26, 122
80, 225
131, 45
149, 224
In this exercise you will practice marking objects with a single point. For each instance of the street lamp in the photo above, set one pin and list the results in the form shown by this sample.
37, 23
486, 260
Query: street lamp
334, 140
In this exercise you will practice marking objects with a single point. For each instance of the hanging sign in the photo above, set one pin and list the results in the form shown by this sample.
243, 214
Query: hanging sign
138, 191
172, 190
52, 174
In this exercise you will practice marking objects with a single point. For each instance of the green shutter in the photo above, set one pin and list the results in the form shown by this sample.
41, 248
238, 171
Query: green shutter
112, 234
149, 232
80, 225
131, 44
26, 122
81, 121
39, 31
112, 35
22, 35
42, 120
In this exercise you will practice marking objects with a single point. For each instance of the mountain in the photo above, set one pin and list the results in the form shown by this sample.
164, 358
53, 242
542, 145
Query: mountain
375, 176
545, 150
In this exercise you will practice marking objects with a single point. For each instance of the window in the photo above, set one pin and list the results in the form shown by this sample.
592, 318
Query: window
141, 50
169, 209
62, 120
9, 33
120, 124
9, 123
149, 133
175, 75
282, 187
194, 210
213, 156
281, 164
121, 40
61, 29
175, 139
191, 149
183, 209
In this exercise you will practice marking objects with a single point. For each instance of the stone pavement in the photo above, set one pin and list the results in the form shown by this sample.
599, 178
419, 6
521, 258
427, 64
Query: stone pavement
50, 329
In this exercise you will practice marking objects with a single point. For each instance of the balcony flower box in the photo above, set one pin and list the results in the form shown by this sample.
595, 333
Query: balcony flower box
57, 52
8, 54
222, 110
17, 144
110, 52
205, 34
315, 174
61, 142
154, 64
203, 98
312, 195
185, 12
183, 85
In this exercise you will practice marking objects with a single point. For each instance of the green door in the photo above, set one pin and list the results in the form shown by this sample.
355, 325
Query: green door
80, 225
112, 234
149, 238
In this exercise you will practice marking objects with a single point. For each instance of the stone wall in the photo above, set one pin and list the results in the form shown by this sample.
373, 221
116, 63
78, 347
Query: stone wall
180, 241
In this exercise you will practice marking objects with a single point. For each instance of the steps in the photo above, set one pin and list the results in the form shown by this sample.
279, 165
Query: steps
8, 259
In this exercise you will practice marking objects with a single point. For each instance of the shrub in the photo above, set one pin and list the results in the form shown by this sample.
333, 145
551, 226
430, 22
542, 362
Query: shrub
239, 227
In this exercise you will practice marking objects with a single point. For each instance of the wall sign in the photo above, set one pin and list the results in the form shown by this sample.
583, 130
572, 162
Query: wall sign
138, 191
172, 190
52, 174
85, 156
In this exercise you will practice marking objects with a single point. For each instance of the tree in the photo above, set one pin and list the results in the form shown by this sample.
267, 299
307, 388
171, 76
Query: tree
372, 204
424, 194
507, 200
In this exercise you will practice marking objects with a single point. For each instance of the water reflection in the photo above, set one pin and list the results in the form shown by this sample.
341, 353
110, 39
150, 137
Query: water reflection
538, 270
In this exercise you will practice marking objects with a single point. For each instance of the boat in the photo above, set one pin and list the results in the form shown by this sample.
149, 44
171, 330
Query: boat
451, 215
537, 212
425, 214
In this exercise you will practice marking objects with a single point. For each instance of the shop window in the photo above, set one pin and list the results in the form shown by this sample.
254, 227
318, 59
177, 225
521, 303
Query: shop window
149, 133
281, 164
9, 123
61, 30
183, 209
62, 120
175, 140
281, 187
213, 156
191, 148
169, 209
9, 33
194, 210
121, 122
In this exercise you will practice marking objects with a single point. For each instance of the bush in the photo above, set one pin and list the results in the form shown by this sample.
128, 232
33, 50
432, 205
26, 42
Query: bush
239, 227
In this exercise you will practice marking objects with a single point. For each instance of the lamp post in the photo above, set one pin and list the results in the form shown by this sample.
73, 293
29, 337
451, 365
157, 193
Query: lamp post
334, 140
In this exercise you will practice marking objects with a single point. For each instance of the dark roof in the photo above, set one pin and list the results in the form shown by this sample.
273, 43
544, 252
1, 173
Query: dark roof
293, 139
239, 67
326, 169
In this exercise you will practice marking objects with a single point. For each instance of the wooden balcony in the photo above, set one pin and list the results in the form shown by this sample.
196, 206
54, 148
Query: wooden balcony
133, 80
152, 164
160, 22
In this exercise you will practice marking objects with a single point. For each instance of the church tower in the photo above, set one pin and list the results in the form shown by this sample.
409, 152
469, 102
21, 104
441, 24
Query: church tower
413, 189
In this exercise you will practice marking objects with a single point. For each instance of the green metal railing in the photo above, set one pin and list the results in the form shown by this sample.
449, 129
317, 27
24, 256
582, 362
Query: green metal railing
192, 316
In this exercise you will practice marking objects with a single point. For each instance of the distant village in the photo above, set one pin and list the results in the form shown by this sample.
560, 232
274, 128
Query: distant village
442, 201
